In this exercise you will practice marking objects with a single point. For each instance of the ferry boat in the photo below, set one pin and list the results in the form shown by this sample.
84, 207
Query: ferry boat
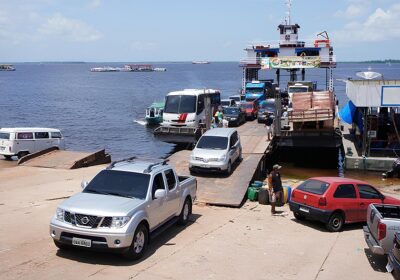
200, 62
7, 67
129, 68
311, 121
154, 113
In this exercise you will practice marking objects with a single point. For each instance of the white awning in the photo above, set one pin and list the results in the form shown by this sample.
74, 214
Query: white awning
374, 93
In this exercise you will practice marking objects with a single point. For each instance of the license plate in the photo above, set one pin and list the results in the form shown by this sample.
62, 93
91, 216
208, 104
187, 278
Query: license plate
204, 166
82, 242
305, 210
389, 267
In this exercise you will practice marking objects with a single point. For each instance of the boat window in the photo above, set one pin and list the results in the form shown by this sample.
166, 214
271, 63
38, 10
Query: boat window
119, 183
41, 135
171, 180
4, 135
56, 134
313, 186
345, 191
177, 104
368, 192
24, 135
213, 143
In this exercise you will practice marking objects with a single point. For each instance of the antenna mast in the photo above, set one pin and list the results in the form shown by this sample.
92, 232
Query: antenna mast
289, 11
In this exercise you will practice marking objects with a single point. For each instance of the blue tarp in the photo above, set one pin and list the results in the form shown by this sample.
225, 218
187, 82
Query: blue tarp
350, 114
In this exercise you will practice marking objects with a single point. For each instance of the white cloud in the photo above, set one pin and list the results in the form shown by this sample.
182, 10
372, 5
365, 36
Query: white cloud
352, 11
381, 25
69, 29
94, 4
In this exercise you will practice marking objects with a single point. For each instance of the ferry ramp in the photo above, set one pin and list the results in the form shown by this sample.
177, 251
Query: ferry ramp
230, 190
60, 159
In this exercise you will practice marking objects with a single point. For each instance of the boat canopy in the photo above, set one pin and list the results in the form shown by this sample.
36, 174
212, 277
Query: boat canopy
374, 93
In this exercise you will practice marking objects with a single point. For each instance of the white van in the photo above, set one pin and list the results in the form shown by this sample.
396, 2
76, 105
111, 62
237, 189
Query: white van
22, 141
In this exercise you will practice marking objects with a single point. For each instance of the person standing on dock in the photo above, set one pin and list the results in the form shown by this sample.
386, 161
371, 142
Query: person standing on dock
277, 189
269, 124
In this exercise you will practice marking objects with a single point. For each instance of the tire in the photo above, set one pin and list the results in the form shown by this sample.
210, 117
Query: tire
298, 216
229, 169
139, 243
185, 213
7, 157
22, 154
61, 245
336, 222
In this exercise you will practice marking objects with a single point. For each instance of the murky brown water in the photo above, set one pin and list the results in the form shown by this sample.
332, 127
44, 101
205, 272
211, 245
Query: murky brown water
294, 173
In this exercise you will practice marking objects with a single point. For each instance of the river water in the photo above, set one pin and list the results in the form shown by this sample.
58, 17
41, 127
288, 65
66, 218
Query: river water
101, 110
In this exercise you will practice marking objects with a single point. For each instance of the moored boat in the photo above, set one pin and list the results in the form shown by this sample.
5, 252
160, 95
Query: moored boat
154, 113
7, 67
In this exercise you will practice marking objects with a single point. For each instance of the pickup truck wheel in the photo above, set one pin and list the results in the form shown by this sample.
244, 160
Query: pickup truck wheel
139, 243
336, 222
186, 212
298, 216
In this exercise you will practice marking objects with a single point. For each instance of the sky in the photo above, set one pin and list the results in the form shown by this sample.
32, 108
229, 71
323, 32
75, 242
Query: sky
186, 30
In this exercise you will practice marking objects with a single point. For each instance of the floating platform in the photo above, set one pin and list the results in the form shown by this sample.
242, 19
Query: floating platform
217, 189
60, 159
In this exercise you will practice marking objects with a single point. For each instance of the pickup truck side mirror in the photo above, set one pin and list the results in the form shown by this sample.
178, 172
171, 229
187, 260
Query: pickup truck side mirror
382, 197
160, 194
84, 184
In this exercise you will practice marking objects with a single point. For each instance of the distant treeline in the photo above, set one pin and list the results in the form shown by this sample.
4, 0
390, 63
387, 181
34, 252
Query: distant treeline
374, 61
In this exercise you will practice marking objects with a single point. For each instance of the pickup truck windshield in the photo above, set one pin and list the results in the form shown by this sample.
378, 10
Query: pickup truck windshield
213, 143
231, 111
119, 183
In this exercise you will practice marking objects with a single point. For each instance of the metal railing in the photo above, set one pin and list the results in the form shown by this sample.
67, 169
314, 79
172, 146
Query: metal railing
311, 115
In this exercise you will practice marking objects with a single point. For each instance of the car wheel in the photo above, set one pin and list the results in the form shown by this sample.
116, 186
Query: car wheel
298, 216
7, 157
139, 243
22, 154
61, 245
186, 212
336, 222
229, 169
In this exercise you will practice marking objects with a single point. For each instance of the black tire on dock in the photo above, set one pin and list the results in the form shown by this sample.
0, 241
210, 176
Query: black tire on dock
263, 197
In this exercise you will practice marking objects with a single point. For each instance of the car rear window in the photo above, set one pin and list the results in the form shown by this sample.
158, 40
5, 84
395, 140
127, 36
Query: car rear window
313, 186
4, 135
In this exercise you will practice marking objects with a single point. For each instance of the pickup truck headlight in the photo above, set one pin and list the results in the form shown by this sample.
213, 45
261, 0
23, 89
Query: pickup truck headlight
60, 214
119, 222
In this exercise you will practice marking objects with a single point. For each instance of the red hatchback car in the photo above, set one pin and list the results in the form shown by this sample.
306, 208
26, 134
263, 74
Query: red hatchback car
251, 109
335, 201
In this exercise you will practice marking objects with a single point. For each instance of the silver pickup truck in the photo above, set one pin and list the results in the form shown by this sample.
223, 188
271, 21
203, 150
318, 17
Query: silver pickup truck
123, 206
383, 220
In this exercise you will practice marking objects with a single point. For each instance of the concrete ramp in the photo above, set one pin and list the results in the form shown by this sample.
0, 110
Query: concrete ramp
218, 189
59, 159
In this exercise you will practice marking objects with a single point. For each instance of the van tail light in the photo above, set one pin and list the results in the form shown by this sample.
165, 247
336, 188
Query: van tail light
381, 231
322, 201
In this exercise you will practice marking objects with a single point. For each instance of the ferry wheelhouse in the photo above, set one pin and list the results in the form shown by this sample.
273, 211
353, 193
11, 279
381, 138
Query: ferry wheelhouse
308, 119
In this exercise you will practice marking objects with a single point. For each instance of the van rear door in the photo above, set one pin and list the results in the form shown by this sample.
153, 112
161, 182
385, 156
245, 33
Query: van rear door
5, 143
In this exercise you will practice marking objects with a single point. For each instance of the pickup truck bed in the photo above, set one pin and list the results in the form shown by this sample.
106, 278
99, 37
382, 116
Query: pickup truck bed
383, 220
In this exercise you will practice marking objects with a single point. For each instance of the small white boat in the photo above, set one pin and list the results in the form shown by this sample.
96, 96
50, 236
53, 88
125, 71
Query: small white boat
200, 62
6, 67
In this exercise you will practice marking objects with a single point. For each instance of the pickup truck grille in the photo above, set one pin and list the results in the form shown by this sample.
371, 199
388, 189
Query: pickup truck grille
86, 220
106, 222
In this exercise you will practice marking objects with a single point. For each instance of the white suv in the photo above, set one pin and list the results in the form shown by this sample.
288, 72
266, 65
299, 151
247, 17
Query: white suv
216, 150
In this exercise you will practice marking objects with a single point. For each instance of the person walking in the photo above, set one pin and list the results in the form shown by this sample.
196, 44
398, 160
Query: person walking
268, 124
277, 189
